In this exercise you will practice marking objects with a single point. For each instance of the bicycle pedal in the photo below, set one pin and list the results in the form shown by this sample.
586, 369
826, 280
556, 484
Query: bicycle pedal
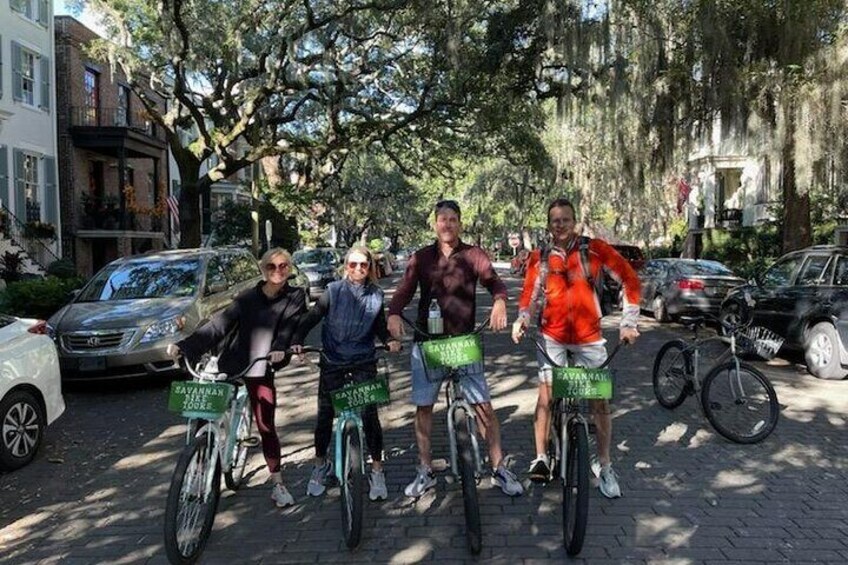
252, 441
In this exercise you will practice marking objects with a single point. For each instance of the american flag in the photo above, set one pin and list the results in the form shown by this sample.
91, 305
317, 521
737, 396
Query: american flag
174, 207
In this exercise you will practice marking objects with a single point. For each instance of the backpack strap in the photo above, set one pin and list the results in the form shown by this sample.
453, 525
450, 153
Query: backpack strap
585, 264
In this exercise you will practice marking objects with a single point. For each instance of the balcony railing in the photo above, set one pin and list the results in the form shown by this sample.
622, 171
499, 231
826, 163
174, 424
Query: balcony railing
112, 117
729, 218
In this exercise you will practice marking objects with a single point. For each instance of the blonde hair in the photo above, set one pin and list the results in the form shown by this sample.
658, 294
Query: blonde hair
372, 266
270, 254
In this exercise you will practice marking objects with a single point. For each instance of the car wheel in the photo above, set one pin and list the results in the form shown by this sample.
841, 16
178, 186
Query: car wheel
660, 309
821, 352
21, 429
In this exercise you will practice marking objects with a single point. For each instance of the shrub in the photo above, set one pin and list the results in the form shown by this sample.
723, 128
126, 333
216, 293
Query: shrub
62, 268
38, 298
12, 266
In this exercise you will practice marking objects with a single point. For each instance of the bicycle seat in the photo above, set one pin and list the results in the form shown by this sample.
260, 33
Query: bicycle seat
692, 322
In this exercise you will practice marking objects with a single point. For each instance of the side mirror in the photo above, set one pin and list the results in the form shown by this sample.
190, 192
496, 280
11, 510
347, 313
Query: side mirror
215, 287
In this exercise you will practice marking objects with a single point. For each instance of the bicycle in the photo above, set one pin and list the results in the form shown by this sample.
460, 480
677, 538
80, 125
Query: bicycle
348, 403
450, 355
217, 439
736, 398
569, 435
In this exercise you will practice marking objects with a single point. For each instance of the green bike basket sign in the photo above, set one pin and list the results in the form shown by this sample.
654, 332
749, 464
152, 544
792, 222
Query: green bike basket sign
196, 399
574, 382
453, 351
360, 395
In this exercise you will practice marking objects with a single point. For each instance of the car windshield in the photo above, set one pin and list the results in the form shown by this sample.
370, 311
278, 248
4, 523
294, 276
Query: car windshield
312, 257
704, 268
6, 320
143, 279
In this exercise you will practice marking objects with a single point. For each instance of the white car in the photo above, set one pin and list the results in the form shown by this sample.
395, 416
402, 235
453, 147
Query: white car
30, 389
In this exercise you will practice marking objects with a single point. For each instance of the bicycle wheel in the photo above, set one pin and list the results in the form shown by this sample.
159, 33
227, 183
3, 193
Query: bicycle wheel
575, 487
351, 485
741, 405
238, 458
192, 500
467, 469
672, 373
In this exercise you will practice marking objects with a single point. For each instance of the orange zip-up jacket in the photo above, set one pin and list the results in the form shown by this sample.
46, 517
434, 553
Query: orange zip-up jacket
572, 313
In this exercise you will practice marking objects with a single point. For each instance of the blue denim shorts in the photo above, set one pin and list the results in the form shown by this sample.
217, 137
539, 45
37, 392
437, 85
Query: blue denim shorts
425, 391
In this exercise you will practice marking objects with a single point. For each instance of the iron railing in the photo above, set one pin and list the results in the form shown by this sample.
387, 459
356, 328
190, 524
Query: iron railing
29, 236
112, 117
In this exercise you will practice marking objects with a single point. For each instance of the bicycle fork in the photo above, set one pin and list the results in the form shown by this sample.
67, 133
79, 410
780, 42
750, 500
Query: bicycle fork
583, 428
341, 421
471, 418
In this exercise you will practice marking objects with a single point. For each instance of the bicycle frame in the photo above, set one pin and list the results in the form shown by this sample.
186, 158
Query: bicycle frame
341, 420
455, 402
695, 348
570, 410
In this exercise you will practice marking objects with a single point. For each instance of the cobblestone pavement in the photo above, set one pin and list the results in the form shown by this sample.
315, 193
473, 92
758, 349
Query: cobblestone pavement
96, 493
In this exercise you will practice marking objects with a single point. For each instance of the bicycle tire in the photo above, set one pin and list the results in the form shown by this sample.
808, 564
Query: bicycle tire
235, 474
189, 489
467, 475
672, 373
555, 440
575, 487
756, 413
351, 485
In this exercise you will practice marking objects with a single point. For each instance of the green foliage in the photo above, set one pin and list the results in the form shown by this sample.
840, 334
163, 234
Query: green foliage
233, 223
12, 266
746, 251
62, 268
38, 298
375, 244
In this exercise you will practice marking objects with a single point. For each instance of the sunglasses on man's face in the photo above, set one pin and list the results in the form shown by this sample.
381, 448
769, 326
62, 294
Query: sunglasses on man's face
360, 264
271, 267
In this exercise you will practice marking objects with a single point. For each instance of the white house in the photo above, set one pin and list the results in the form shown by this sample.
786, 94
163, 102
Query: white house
28, 187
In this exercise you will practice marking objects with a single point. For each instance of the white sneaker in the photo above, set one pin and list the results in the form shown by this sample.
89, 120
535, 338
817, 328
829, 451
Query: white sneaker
281, 496
317, 482
506, 479
423, 480
608, 484
378, 486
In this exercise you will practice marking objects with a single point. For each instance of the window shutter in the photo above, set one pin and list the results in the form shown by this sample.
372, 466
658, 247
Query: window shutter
51, 198
4, 175
44, 12
20, 186
45, 83
1, 66
17, 74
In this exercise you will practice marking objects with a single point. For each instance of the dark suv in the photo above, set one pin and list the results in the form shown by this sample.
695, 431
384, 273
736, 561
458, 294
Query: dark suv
804, 298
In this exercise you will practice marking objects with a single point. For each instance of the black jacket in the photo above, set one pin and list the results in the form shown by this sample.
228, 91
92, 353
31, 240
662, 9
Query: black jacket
255, 326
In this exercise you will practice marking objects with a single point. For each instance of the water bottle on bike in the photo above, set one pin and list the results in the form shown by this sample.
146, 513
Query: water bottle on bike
435, 323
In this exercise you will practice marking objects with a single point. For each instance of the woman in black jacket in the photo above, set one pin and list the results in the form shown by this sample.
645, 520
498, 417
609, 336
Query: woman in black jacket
264, 319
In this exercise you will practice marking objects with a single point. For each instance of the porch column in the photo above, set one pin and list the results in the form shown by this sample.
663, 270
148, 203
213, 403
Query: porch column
122, 200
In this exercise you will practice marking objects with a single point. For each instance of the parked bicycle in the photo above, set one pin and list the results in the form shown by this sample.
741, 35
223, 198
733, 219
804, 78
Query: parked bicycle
217, 440
446, 359
568, 439
736, 398
349, 464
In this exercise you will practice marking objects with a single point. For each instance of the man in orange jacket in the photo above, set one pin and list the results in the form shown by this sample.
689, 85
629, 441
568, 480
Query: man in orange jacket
570, 321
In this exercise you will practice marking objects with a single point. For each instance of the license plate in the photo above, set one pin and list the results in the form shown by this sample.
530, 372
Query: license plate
196, 399
92, 364
452, 352
375, 391
573, 382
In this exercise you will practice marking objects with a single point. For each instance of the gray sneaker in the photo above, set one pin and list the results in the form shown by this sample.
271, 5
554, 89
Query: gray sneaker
423, 480
608, 484
378, 486
317, 486
281, 496
506, 479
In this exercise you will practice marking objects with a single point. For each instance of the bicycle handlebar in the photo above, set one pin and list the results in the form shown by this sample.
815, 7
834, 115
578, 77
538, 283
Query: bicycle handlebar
231, 378
609, 358
477, 330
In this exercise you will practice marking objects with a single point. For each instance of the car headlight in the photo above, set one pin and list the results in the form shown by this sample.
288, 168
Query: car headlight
165, 328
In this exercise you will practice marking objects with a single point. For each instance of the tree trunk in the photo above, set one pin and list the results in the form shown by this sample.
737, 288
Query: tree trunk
797, 227
190, 191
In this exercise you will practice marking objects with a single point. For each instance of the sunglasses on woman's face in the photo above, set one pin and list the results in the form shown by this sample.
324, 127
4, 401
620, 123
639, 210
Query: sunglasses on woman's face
361, 264
271, 267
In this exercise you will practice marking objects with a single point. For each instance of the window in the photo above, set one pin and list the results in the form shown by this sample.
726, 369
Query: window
91, 88
27, 77
33, 207
122, 114
812, 272
781, 272
35, 10
840, 278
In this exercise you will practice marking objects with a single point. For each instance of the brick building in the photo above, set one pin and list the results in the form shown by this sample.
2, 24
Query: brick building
113, 160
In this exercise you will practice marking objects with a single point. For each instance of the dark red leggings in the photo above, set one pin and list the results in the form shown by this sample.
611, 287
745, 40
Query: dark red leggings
263, 401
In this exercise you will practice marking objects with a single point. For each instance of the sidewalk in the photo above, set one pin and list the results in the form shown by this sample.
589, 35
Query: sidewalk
690, 497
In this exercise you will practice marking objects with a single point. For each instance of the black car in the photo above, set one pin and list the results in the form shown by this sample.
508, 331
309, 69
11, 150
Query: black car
671, 287
320, 265
804, 298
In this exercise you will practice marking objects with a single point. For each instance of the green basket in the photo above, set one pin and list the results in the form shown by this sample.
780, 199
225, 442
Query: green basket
452, 352
200, 399
359, 395
579, 383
